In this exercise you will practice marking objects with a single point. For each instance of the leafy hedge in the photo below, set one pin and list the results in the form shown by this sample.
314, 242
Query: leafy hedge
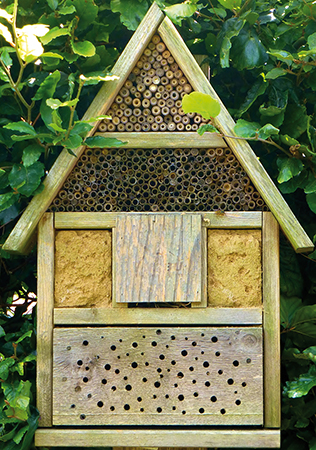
54, 53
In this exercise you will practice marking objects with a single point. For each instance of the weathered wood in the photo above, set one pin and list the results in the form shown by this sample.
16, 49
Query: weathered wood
115, 304
18, 240
145, 316
158, 376
245, 155
45, 308
172, 139
134, 437
204, 269
104, 220
271, 320
158, 258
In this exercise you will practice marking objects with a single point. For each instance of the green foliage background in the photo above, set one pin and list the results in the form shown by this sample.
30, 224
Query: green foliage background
262, 56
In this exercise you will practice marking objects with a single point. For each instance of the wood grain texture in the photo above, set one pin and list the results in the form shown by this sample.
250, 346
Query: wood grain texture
158, 376
103, 220
158, 258
167, 139
271, 320
145, 316
242, 150
45, 307
20, 236
134, 437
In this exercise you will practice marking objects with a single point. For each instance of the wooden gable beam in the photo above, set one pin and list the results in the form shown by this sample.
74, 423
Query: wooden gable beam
21, 235
242, 150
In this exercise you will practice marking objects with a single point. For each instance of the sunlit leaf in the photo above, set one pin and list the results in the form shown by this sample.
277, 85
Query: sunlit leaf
282, 55
22, 127
73, 142
131, 11
230, 4
275, 73
4, 31
54, 103
55, 33
202, 104
29, 47
288, 168
6, 15
83, 48
38, 30
180, 11
246, 129
301, 386
100, 141
207, 127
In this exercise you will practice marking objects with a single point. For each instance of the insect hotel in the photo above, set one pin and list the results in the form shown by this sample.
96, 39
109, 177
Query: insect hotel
158, 270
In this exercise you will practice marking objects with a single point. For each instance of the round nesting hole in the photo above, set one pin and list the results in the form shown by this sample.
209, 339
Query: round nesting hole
244, 384
194, 343
144, 380
107, 367
112, 408
180, 397
214, 339
158, 332
85, 343
201, 410
159, 370
202, 334
128, 387
191, 368
139, 399
238, 402
248, 360
82, 416
184, 412
141, 409
100, 404
144, 337
113, 388
161, 357
72, 406
117, 371
146, 363
180, 375
217, 354
184, 353
230, 381
236, 363
154, 343
174, 408
166, 396
85, 379
125, 378
193, 381
175, 385
213, 399
134, 344
206, 364
223, 411
154, 396
113, 347
134, 365
87, 368
220, 372
157, 384
104, 381
172, 338
207, 384
196, 394
127, 407
159, 410
89, 395
120, 340
173, 362
79, 362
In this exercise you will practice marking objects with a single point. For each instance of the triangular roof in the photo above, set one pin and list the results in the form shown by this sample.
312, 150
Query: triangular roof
155, 21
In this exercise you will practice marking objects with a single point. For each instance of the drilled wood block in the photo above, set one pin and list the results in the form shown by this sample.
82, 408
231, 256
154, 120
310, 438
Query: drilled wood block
158, 376
158, 258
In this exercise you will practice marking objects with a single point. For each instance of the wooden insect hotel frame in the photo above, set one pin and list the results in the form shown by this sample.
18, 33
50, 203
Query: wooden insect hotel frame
158, 270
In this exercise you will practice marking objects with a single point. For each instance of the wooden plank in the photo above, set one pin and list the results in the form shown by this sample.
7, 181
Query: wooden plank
45, 308
204, 269
104, 220
17, 241
115, 304
158, 376
271, 320
158, 258
211, 438
145, 316
172, 139
244, 153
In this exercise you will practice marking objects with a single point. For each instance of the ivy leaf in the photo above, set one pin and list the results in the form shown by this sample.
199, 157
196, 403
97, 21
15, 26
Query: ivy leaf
131, 12
180, 11
230, 4
19, 435
53, 4
301, 386
100, 141
4, 31
18, 395
83, 48
55, 33
288, 168
24, 335
26, 179
67, 10
31, 154
202, 104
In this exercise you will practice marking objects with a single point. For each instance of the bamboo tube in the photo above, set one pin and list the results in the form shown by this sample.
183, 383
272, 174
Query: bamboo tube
146, 103
164, 80
162, 127
155, 39
160, 47
153, 88
151, 72
152, 47
147, 81
116, 120
147, 51
164, 62
153, 101
111, 127
128, 100
137, 102
147, 94
166, 54
103, 127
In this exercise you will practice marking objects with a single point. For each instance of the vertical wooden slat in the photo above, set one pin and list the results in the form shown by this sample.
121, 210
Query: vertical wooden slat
271, 321
115, 304
203, 303
45, 308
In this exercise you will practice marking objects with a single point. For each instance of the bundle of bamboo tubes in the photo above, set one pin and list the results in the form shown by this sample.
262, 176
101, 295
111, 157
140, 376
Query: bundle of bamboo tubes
159, 179
151, 97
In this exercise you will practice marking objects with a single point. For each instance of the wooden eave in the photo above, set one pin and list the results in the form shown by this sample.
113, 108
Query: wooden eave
155, 20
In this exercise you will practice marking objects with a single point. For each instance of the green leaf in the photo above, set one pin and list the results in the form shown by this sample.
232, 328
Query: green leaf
7, 200
34, 30
282, 55
84, 48
72, 142
207, 127
275, 73
53, 4
311, 40
5, 366
8, 17
288, 168
54, 103
180, 11
257, 89
28, 45
51, 55
19, 435
81, 128
294, 183
231, 28
67, 10
87, 11
92, 80
5, 57
48, 86
4, 31
311, 133
288, 140
26, 179
2, 332
55, 33
246, 129
301, 386
25, 335
57, 128
18, 395
289, 306
22, 127
31, 154
267, 131
202, 104
230, 4
131, 12
311, 201
100, 141
248, 51
295, 122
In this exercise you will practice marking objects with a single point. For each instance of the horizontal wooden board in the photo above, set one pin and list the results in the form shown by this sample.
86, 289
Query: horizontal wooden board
146, 316
96, 220
158, 376
173, 139
158, 258
135, 437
